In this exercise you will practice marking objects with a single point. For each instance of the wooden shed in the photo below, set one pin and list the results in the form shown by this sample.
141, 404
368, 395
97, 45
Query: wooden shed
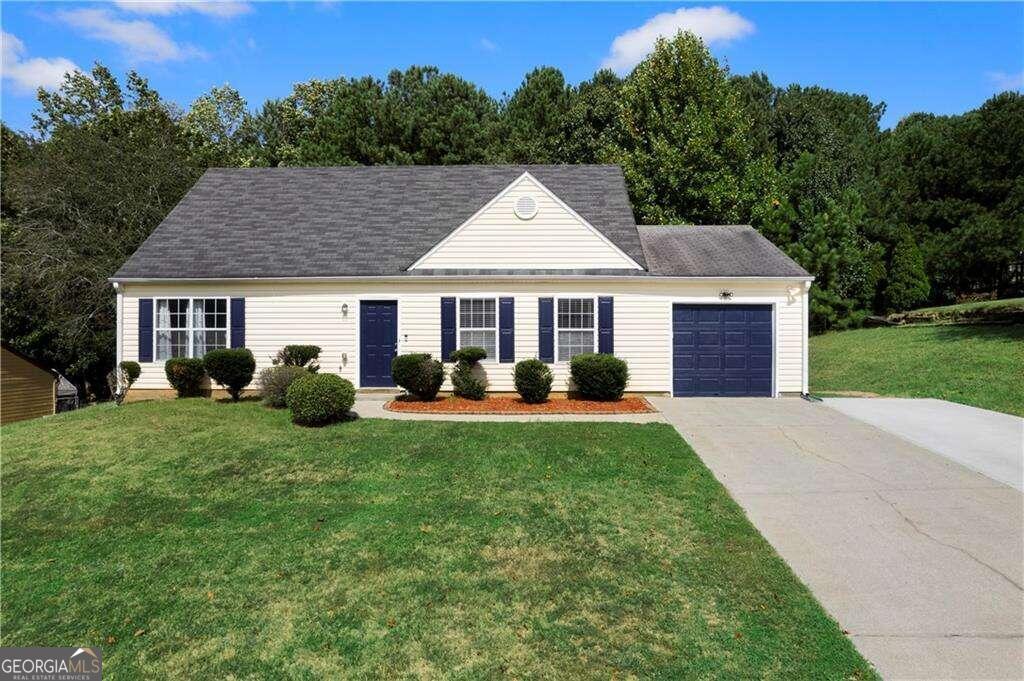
27, 388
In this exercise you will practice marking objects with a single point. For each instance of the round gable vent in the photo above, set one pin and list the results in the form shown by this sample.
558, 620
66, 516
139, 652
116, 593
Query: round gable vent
526, 207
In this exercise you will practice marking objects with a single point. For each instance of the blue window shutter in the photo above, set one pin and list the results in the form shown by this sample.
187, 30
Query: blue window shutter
546, 324
447, 328
506, 330
238, 322
605, 326
145, 329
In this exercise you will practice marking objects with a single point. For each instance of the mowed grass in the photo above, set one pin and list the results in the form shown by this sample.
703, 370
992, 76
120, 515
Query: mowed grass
980, 365
195, 539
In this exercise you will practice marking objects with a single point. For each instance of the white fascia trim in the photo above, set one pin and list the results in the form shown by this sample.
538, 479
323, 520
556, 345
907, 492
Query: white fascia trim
526, 175
438, 277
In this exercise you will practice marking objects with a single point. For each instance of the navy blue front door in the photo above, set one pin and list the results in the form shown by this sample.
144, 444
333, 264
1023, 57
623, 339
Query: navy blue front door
721, 350
378, 340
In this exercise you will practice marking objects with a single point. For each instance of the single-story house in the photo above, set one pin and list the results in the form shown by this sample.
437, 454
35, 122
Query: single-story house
524, 261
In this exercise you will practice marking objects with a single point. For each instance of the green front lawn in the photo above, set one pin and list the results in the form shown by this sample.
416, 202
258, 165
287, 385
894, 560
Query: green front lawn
201, 539
979, 365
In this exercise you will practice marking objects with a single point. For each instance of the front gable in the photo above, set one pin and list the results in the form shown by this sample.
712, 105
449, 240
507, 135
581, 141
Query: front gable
525, 227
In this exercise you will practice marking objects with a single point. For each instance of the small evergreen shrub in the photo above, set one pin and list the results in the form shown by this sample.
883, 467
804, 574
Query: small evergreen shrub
232, 368
132, 371
185, 374
274, 383
419, 374
533, 380
598, 376
319, 399
464, 382
121, 379
299, 356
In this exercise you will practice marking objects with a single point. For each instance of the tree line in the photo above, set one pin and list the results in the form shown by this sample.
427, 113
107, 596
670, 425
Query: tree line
929, 212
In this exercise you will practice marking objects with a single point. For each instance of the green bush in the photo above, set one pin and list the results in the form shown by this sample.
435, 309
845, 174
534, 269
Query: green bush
533, 380
274, 383
132, 371
468, 355
464, 383
232, 368
598, 376
121, 380
185, 374
319, 399
299, 356
419, 374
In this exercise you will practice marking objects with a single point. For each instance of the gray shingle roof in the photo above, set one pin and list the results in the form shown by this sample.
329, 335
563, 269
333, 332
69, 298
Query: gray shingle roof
713, 251
351, 221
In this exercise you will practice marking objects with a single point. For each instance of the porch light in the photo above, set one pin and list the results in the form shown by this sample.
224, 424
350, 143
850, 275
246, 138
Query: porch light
344, 309
725, 294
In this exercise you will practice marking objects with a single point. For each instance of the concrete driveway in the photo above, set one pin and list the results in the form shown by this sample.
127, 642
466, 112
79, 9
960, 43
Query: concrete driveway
984, 441
917, 557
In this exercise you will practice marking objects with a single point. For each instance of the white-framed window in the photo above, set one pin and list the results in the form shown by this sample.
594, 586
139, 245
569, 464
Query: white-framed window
189, 327
478, 325
575, 327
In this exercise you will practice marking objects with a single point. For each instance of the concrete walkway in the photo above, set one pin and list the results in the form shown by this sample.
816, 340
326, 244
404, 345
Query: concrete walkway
984, 441
919, 558
372, 406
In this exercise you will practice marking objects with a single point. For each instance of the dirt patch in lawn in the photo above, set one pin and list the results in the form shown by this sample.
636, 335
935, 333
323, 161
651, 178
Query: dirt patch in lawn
516, 405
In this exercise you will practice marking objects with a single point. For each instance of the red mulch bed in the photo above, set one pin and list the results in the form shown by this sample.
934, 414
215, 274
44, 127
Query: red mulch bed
515, 405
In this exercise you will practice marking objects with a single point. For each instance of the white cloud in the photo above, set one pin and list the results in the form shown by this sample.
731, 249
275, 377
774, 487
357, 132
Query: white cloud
222, 9
1003, 81
712, 24
488, 45
141, 40
27, 75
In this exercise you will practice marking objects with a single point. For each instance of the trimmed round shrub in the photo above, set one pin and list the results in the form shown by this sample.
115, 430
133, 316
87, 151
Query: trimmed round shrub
185, 374
533, 380
468, 355
319, 399
232, 368
419, 374
131, 370
275, 381
598, 376
299, 356
464, 382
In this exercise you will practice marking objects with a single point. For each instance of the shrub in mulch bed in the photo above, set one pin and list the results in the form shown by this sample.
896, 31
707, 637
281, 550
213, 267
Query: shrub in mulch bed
516, 405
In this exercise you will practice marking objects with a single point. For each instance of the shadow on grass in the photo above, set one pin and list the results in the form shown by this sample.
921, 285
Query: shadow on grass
247, 398
996, 332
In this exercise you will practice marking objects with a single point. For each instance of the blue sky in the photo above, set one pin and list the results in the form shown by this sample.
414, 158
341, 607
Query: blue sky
942, 58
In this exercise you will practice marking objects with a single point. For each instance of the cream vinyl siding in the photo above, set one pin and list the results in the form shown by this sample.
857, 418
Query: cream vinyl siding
554, 238
294, 312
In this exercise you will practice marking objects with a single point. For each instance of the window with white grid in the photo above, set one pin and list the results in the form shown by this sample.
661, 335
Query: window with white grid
478, 324
575, 323
190, 327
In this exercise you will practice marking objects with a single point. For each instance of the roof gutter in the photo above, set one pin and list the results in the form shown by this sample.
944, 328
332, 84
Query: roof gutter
446, 277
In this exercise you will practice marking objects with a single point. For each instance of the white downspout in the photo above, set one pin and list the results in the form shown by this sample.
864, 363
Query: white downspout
807, 333
118, 352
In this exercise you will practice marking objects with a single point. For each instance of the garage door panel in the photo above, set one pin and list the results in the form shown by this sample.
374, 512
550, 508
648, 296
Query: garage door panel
732, 355
686, 360
734, 316
735, 362
709, 339
760, 362
735, 339
713, 362
684, 339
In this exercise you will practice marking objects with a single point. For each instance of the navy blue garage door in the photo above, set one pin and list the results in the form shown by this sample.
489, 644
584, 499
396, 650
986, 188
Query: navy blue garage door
721, 350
